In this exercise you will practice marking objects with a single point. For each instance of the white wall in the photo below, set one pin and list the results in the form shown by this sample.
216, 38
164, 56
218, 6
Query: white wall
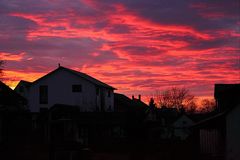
233, 134
181, 127
60, 92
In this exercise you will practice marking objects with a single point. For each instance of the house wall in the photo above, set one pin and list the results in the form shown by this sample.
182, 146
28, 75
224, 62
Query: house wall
210, 141
233, 134
1, 130
181, 127
60, 92
24, 93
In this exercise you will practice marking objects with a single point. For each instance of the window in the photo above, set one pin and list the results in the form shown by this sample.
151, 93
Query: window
109, 93
97, 91
43, 94
77, 88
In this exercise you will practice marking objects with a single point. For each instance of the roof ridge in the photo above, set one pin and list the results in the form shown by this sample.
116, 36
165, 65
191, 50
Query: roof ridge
88, 77
77, 73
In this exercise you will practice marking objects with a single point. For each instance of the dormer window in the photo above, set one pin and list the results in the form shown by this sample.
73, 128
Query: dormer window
77, 88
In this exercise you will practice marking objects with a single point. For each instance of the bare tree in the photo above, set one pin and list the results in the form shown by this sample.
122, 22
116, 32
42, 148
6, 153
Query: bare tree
207, 105
175, 98
1, 68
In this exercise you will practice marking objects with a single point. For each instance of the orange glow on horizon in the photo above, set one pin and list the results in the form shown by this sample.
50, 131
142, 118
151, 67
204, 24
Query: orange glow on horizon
130, 48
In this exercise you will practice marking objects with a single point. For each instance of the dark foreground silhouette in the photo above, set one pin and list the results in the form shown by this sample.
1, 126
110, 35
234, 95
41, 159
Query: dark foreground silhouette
133, 131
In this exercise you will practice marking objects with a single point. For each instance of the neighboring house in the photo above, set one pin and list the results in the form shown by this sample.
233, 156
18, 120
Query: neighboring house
10, 100
10, 103
226, 95
69, 87
123, 103
23, 88
233, 134
181, 126
218, 136
159, 123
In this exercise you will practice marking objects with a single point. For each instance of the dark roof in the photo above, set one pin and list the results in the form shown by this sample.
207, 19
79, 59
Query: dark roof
10, 98
123, 103
169, 114
24, 83
227, 95
215, 119
197, 117
79, 74
222, 90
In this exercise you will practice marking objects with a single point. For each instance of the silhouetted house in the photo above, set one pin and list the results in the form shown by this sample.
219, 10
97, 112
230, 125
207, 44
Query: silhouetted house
66, 86
226, 95
12, 121
23, 88
10, 100
182, 126
159, 123
219, 135
134, 112
124, 104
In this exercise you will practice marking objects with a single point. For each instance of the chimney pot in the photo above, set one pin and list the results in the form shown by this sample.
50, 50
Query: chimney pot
139, 97
132, 97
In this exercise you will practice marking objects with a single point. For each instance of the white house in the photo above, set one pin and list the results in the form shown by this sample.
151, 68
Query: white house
66, 86
181, 126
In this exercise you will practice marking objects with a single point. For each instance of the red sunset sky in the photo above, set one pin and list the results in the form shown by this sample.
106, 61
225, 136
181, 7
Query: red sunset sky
137, 46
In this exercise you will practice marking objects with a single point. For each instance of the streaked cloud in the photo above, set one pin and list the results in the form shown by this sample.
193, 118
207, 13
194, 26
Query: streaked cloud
137, 46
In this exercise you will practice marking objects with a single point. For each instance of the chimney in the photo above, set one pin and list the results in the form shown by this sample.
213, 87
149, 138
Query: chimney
132, 97
139, 97
59, 65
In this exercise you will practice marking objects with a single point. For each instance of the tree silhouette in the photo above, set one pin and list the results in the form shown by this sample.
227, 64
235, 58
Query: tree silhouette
1, 68
175, 98
152, 103
207, 105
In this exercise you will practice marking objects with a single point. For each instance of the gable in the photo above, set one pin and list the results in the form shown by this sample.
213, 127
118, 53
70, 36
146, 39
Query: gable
9, 97
75, 74
183, 121
59, 77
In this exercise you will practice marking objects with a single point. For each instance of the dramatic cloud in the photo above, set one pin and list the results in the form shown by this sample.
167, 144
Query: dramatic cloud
137, 46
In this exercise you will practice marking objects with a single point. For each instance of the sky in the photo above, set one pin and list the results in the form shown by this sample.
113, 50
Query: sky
137, 46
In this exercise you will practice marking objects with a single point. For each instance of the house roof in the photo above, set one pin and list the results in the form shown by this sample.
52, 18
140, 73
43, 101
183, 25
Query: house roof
76, 73
215, 118
229, 90
124, 104
227, 95
10, 98
87, 77
24, 83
